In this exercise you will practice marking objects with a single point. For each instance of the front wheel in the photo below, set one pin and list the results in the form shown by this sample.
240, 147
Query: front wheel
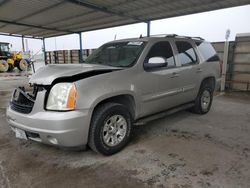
204, 100
110, 128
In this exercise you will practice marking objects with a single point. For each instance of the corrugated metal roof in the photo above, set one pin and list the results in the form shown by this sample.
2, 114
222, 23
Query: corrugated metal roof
47, 18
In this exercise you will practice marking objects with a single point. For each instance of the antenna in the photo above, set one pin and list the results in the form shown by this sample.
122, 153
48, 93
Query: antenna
115, 37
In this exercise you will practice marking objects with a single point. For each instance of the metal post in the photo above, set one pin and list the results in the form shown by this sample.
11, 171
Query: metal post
80, 53
44, 51
224, 66
148, 28
23, 44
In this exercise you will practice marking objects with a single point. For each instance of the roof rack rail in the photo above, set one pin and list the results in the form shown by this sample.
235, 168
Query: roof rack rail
175, 36
188, 37
199, 38
171, 35
164, 35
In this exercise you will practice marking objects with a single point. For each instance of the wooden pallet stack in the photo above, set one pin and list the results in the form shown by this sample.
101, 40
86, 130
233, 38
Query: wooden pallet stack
66, 56
238, 67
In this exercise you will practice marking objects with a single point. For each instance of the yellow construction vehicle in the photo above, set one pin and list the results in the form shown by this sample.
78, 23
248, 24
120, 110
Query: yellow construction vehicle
8, 60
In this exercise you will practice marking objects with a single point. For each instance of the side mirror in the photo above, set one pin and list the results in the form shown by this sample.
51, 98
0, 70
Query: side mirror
156, 62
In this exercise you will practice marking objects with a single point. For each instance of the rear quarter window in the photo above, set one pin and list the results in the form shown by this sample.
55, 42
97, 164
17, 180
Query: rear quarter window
207, 51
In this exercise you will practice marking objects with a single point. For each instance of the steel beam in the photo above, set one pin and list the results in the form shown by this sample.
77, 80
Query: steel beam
36, 26
86, 13
23, 44
148, 29
36, 12
15, 35
97, 28
104, 9
44, 51
80, 53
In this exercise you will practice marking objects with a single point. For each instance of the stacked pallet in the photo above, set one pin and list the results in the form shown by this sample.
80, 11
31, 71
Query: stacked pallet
66, 56
240, 79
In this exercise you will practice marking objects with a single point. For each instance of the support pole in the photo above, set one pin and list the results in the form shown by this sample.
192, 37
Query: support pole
224, 66
148, 28
44, 51
23, 47
80, 53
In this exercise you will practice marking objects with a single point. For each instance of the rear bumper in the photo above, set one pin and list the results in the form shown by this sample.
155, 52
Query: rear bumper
66, 129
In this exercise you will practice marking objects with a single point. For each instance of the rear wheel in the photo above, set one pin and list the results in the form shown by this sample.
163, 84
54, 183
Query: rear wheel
110, 128
4, 66
204, 99
23, 65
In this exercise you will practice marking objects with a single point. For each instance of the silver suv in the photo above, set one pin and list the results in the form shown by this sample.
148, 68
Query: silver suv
123, 83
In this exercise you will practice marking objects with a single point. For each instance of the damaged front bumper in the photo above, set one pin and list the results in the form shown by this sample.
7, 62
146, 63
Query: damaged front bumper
66, 129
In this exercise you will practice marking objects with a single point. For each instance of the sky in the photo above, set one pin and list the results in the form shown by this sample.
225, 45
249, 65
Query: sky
209, 25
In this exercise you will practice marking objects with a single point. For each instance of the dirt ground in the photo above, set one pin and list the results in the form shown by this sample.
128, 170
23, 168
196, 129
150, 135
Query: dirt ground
183, 150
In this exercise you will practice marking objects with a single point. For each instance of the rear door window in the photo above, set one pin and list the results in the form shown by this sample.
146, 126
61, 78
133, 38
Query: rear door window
186, 53
207, 51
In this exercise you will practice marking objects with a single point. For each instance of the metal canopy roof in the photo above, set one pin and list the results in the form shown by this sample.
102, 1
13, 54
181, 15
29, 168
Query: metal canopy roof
48, 18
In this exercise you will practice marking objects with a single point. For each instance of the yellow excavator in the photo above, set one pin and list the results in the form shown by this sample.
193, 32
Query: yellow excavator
8, 60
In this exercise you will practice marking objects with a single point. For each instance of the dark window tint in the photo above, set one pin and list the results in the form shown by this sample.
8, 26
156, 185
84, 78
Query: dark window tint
162, 49
187, 55
207, 51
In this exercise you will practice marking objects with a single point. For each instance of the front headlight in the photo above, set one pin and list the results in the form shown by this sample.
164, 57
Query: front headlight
62, 96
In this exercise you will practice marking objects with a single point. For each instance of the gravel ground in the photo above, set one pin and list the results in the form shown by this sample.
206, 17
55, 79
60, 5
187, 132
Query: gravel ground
183, 150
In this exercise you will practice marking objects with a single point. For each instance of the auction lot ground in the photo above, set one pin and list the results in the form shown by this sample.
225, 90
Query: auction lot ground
180, 151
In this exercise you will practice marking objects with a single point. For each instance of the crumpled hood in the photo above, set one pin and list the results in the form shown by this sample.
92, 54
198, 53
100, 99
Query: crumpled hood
47, 74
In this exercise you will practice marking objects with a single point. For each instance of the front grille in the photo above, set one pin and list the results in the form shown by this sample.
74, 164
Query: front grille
22, 101
22, 108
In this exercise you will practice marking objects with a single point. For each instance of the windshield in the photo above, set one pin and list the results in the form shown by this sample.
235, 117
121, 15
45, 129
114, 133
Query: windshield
119, 54
4, 47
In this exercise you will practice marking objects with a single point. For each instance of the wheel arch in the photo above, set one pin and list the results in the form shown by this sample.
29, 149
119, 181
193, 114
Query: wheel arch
127, 100
209, 80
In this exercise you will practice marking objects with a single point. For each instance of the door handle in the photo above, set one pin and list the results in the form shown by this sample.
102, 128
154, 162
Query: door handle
199, 70
174, 75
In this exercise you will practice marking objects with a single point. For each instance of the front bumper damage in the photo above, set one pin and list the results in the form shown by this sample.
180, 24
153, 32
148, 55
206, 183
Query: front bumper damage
26, 113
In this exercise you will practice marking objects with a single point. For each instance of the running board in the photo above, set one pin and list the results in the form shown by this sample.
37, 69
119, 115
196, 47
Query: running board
145, 120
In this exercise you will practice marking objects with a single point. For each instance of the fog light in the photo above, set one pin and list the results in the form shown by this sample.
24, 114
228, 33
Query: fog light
52, 140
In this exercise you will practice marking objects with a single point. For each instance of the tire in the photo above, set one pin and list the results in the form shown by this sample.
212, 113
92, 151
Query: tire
102, 136
204, 99
23, 65
4, 66
11, 68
